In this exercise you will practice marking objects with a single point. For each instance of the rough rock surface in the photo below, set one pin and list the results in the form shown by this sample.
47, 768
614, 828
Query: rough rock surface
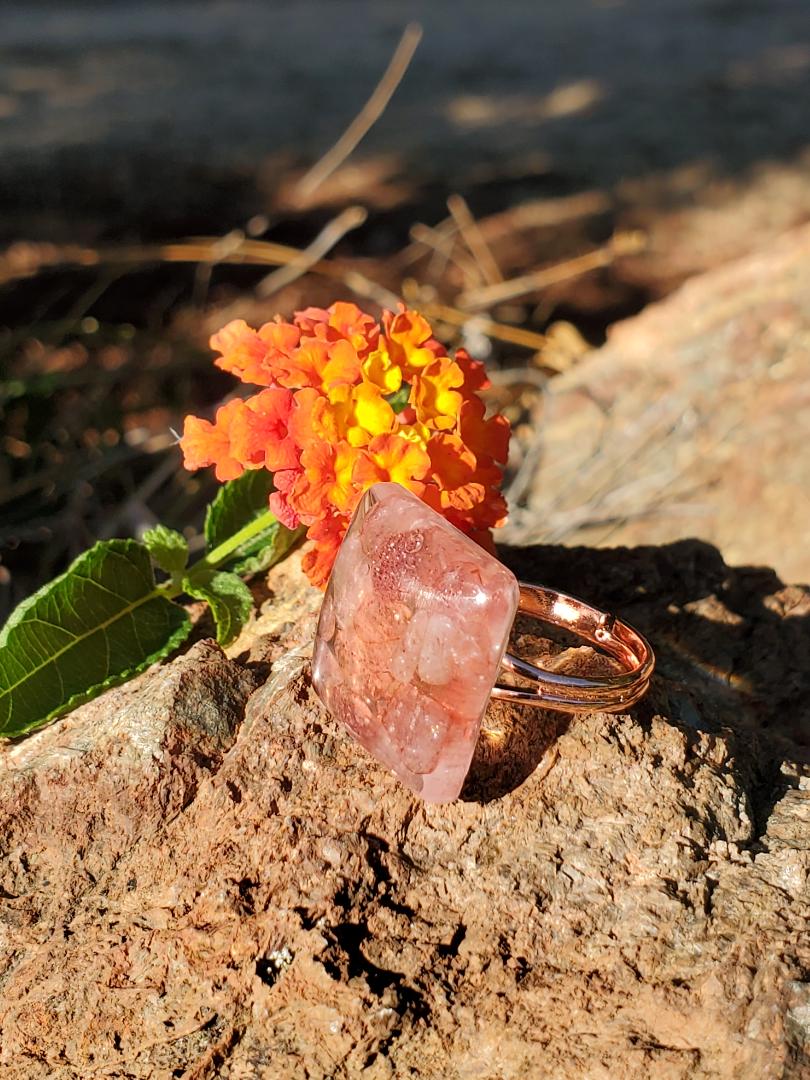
203, 876
691, 420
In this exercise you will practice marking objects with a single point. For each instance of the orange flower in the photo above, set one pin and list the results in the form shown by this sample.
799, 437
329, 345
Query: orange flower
392, 458
326, 480
359, 329
436, 393
371, 413
280, 498
204, 443
313, 418
327, 534
305, 366
349, 402
260, 435
410, 340
452, 466
475, 373
381, 371
467, 488
487, 509
486, 438
254, 356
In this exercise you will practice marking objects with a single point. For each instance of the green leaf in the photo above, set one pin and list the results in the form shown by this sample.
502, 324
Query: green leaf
168, 548
98, 624
399, 399
271, 547
228, 597
237, 503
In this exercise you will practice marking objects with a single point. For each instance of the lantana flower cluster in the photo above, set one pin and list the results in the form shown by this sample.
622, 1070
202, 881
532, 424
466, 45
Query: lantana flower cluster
346, 402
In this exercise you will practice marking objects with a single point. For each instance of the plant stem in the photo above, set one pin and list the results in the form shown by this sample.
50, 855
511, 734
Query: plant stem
222, 552
173, 588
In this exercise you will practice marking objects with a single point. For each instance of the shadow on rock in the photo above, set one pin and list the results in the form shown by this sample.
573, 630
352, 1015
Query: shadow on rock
732, 648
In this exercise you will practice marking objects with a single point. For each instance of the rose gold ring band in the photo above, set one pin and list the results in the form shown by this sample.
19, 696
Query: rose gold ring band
574, 693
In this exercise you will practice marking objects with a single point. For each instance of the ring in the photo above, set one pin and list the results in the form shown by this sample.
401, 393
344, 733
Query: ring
572, 693
412, 637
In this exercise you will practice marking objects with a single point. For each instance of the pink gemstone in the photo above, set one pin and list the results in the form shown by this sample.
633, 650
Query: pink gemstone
412, 632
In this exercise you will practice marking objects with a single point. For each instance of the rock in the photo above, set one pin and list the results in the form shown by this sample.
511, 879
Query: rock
203, 876
696, 219
691, 420
122, 765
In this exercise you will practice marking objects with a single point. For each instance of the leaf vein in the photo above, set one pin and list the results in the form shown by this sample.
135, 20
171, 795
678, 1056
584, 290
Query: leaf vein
52, 657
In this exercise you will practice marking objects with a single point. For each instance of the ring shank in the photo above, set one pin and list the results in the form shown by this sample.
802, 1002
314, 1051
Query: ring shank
574, 693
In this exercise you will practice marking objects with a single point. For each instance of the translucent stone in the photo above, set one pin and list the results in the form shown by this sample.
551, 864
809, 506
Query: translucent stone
412, 632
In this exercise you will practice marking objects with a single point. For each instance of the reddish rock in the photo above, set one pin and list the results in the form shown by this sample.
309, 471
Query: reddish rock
204, 876
691, 421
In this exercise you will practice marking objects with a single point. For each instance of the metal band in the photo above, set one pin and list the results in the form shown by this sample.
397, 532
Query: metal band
574, 693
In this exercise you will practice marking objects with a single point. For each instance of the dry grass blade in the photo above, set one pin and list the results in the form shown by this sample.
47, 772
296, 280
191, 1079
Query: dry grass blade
514, 335
543, 214
539, 213
203, 249
219, 251
263, 253
621, 244
350, 218
468, 227
368, 115
444, 247
443, 232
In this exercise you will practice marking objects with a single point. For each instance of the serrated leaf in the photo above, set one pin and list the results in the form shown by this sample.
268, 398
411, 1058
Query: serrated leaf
98, 624
168, 548
228, 597
237, 503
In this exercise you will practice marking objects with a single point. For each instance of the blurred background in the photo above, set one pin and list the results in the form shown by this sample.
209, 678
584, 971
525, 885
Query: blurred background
607, 200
